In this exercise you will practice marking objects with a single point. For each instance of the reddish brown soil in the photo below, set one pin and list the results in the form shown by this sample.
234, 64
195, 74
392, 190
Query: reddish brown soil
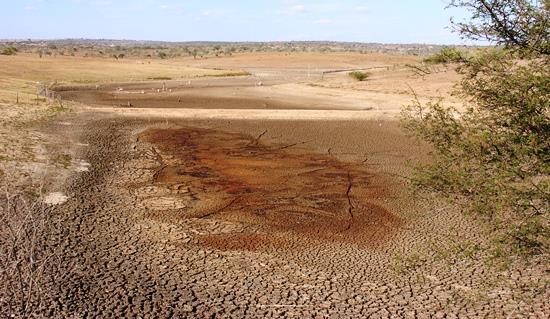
281, 193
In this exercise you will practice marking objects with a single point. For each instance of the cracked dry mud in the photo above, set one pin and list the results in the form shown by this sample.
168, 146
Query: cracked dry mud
222, 199
268, 197
189, 222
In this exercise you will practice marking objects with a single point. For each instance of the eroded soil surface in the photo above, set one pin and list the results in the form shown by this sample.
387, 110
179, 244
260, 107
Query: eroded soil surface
223, 198
268, 195
177, 221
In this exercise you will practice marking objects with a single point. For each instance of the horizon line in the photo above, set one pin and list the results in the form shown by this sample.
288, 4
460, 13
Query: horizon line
2, 40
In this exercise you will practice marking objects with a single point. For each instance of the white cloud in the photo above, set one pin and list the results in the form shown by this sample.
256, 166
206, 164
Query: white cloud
203, 15
361, 9
299, 8
294, 9
322, 21
172, 8
102, 2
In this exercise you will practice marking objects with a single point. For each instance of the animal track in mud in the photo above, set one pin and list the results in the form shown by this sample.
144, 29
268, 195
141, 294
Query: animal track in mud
283, 193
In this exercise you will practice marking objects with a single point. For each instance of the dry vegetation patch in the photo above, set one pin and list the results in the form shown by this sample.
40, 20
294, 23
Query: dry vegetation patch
75, 70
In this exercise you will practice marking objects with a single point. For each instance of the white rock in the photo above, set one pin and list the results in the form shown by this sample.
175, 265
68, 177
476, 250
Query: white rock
55, 198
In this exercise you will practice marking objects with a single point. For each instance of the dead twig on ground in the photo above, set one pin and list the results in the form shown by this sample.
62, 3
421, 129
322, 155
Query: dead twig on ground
257, 139
292, 145
27, 254
217, 211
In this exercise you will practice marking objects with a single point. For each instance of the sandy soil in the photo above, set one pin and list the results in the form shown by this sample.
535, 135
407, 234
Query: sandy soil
224, 207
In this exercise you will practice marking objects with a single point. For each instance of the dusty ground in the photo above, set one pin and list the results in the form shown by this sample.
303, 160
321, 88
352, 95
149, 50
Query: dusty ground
205, 202
282, 81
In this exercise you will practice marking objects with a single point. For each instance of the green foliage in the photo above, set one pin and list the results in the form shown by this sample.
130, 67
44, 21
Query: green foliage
227, 74
63, 160
162, 55
407, 264
160, 78
9, 51
518, 25
359, 76
445, 56
493, 157
58, 107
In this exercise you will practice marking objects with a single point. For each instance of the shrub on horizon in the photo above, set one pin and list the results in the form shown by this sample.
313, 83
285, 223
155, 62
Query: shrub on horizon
359, 76
445, 56
9, 51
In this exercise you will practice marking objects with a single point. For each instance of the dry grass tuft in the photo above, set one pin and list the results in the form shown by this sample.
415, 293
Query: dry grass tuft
27, 257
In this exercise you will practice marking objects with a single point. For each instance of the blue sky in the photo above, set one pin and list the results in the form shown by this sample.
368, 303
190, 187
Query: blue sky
391, 21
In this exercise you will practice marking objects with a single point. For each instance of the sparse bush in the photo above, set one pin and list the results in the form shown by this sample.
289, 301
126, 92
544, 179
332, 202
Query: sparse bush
359, 76
445, 56
63, 160
156, 78
162, 55
494, 156
9, 51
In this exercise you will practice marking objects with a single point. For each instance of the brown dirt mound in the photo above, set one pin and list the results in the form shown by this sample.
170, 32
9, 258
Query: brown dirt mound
270, 189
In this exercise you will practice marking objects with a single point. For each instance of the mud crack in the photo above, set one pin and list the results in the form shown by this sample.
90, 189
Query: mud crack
160, 161
277, 190
350, 202
231, 203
